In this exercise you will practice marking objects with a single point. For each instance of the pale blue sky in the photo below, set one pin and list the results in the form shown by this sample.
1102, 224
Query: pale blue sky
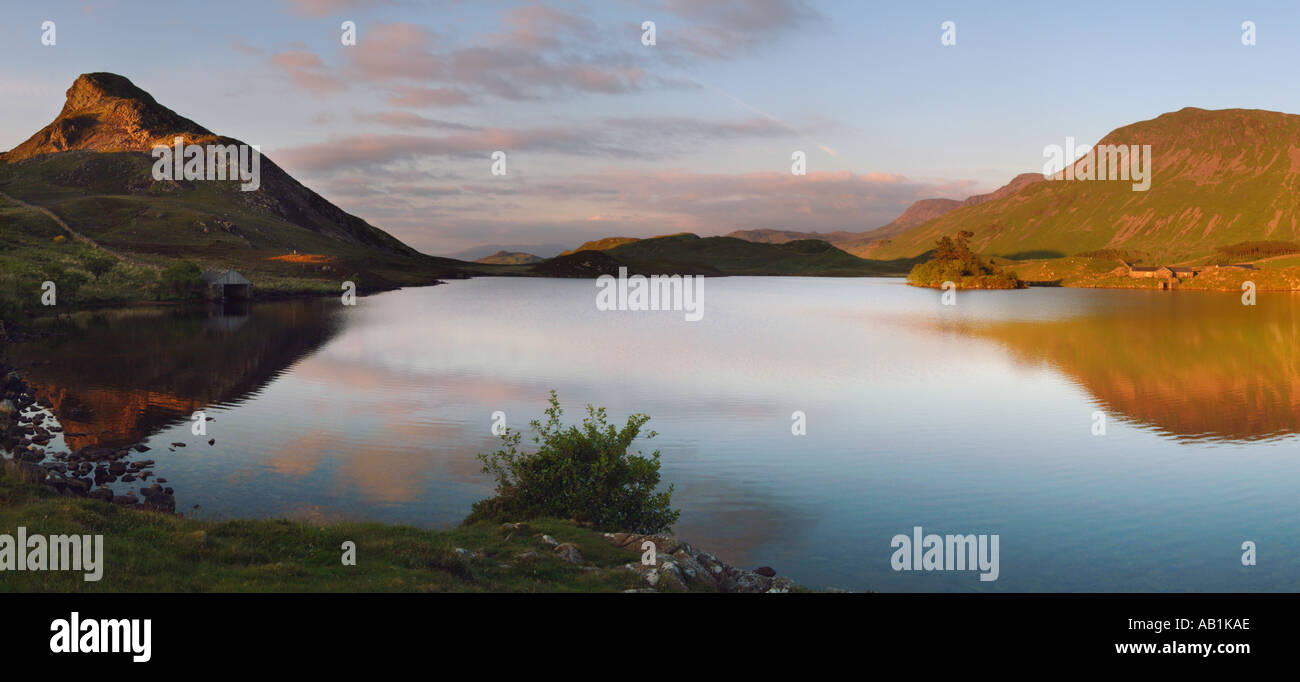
606, 136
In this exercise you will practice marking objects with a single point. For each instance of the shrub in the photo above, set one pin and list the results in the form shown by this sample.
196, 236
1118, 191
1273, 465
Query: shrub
97, 263
19, 293
182, 279
581, 472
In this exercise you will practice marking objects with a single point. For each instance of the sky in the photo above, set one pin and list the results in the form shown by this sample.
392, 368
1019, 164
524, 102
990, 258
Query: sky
606, 136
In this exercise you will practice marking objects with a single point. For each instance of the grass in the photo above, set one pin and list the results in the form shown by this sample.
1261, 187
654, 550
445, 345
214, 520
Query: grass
154, 552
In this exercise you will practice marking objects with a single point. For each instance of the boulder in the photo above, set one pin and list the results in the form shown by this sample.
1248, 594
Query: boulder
569, 553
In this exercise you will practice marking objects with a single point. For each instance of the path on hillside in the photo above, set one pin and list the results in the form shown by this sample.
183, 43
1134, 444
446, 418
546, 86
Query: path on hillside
75, 234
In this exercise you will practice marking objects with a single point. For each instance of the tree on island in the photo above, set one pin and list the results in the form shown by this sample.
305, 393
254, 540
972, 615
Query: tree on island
952, 260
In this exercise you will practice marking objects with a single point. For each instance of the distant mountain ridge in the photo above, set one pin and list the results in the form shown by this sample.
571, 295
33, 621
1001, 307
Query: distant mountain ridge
543, 250
690, 254
509, 258
919, 212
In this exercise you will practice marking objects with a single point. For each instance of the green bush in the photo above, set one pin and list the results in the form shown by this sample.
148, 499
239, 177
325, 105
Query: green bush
182, 279
582, 472
98, 263
19, 293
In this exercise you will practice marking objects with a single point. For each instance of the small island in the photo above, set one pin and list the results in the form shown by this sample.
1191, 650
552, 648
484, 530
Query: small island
953, 261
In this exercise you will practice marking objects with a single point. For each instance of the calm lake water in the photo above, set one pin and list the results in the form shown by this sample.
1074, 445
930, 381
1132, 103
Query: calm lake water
974, 418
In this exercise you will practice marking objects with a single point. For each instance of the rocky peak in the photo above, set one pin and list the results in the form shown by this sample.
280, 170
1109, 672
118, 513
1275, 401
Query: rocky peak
106, 112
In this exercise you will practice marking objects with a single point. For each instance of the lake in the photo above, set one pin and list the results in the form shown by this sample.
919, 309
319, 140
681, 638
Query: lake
976, 418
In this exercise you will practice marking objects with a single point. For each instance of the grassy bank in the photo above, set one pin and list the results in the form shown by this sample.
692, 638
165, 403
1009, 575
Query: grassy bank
155, 552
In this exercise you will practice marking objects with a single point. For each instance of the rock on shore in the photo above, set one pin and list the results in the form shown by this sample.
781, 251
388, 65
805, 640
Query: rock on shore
678, 567
82, 473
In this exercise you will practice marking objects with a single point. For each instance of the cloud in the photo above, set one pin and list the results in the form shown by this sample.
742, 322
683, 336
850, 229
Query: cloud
420, 98
307, 71
726, 29
539, 51
683, 126
647, 137
244, 48
324, 8
406, 119
443, 215
544, 52
377, 150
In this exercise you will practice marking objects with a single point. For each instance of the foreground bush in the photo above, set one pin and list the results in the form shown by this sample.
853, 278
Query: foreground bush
579, 472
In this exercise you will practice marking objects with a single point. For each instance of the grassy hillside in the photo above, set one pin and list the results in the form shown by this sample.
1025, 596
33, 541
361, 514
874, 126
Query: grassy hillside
1220, 177
110, 198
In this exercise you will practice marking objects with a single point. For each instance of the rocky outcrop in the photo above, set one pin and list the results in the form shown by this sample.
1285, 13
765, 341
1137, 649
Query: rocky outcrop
105, 112
676, 565
679, 567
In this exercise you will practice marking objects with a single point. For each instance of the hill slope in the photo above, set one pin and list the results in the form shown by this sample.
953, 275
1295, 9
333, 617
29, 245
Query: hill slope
1220, 177
689, 254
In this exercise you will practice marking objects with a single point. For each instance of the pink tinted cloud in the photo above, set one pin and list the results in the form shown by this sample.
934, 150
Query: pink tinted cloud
420, 98
324, 8
307, 71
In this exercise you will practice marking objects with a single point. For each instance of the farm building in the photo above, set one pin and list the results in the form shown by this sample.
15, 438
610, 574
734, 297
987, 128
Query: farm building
1161, 272
226, 285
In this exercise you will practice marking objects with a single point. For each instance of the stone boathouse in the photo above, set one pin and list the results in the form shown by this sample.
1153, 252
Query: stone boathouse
226, 285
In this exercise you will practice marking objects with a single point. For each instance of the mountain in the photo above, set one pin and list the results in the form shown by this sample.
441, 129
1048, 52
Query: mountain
540, 250
861, 243
601, 244
509, 258
1220, 177
917, 213
90, 172
783, 236
689, 254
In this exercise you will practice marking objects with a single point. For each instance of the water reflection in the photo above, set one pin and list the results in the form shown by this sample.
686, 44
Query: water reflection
116, 378
1192, 366
971, 418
